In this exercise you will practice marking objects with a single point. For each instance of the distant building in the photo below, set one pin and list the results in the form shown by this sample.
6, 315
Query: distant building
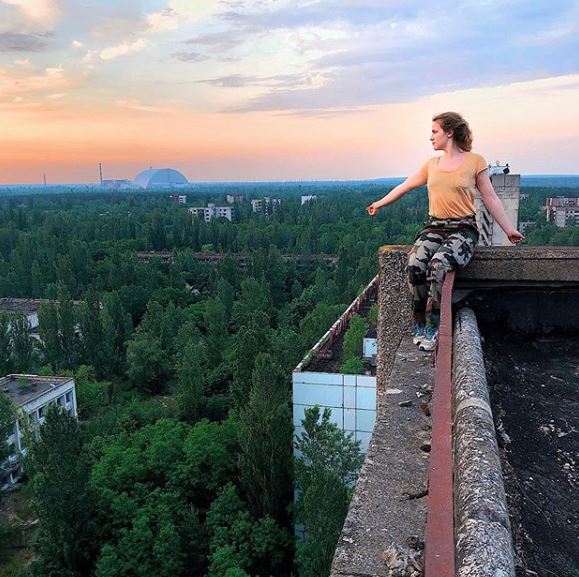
118, 184
266, 205
526, 225
178, 198
508, 189
308, 198
29, 307
160, 178
318, 379
562, 210
31, 395
211, 211
234, 198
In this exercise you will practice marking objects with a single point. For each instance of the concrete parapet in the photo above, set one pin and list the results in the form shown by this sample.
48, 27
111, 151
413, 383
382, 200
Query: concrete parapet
482, 527
388, 510
522, 263
394, 302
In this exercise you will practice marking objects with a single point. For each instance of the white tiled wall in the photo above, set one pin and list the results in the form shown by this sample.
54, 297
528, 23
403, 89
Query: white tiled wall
351, 398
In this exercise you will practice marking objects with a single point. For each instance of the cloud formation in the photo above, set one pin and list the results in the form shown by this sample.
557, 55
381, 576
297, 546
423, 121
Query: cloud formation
22, 82
123, 49
44, 12
14, 42
376, 52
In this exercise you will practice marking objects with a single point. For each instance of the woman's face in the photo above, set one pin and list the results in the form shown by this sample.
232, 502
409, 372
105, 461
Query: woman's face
439, 137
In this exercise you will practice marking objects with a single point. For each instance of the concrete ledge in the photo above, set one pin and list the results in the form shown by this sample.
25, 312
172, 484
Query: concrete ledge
388, 506
522, 263
482, 526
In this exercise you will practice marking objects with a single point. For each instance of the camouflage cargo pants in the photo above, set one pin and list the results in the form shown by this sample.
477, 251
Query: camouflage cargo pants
443, 245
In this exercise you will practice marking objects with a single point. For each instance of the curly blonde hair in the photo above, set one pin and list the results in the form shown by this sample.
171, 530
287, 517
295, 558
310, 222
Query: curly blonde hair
455, 123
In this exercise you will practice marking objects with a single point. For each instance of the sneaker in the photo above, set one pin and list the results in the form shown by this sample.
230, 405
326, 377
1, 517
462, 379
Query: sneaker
428, 343
418, 333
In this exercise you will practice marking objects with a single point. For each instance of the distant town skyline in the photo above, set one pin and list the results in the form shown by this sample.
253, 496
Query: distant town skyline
281, 90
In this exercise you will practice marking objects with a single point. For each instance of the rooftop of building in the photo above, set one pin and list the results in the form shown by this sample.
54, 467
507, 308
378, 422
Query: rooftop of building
22, 389
326, 354
26, 306
563, 201
518, 288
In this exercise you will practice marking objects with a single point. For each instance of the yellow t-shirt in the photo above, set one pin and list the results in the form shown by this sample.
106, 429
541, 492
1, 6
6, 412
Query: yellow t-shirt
451, 193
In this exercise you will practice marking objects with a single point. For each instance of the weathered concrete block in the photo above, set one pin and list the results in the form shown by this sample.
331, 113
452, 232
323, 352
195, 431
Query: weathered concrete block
484, 549
394, 302
483, 532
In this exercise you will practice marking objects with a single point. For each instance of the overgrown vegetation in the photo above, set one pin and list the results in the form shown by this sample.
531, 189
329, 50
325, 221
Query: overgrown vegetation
181, 461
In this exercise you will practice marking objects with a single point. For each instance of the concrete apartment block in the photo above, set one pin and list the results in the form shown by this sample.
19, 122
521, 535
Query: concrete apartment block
508, 189
31, 395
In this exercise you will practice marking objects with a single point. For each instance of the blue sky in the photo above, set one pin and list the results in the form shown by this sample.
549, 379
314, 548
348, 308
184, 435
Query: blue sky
276, 62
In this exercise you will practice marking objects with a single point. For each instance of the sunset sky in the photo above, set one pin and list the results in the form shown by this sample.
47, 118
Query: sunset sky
281, 89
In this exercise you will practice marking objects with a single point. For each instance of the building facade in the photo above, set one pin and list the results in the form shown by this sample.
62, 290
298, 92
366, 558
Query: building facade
308, 198
508, 189
178, 198
234, 198
563, 210
266, 205
31, 395
211, 211
317, 380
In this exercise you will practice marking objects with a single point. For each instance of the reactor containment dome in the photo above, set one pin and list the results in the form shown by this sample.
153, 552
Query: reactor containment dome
160, 178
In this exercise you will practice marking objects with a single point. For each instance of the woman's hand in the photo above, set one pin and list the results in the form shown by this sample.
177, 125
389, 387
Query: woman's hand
515, 236
372, 210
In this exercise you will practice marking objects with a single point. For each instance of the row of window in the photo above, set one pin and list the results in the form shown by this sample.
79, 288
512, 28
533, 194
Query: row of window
60, 401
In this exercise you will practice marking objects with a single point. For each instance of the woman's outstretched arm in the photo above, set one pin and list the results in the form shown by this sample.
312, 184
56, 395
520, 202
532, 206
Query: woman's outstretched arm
412, 182
495, 206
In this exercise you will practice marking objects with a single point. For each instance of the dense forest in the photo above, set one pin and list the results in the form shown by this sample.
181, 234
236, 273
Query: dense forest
181, 461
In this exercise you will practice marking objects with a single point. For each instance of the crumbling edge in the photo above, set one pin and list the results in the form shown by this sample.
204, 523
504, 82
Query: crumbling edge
482, 527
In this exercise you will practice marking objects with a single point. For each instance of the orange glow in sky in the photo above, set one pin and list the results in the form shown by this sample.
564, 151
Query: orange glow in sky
206, 91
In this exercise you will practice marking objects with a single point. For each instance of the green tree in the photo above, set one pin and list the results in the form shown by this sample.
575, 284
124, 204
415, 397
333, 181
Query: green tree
352, 366
149, 545
49, 335
265, 440
354, 337
317, 322
117, 328
59, 468
7, 420
148, 367
66, 327
215, 318
324, 473
92, 333
5, 344
255, 297
226, 294
22, 346
252, 339
190, 371
238, 543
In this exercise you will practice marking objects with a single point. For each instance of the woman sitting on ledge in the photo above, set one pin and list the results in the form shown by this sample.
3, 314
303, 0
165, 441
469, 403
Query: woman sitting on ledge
450, 235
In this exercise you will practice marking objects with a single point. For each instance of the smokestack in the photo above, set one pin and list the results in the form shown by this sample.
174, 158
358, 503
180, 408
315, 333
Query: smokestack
45, 179
101, 173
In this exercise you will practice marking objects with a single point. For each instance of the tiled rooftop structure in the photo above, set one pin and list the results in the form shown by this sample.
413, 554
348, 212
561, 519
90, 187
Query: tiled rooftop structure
318, 378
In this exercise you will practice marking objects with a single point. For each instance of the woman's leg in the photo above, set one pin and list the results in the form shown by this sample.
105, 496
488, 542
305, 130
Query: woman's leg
425, 246
455, 252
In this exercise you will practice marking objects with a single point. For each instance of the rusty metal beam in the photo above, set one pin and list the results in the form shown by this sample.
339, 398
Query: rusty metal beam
439, 535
